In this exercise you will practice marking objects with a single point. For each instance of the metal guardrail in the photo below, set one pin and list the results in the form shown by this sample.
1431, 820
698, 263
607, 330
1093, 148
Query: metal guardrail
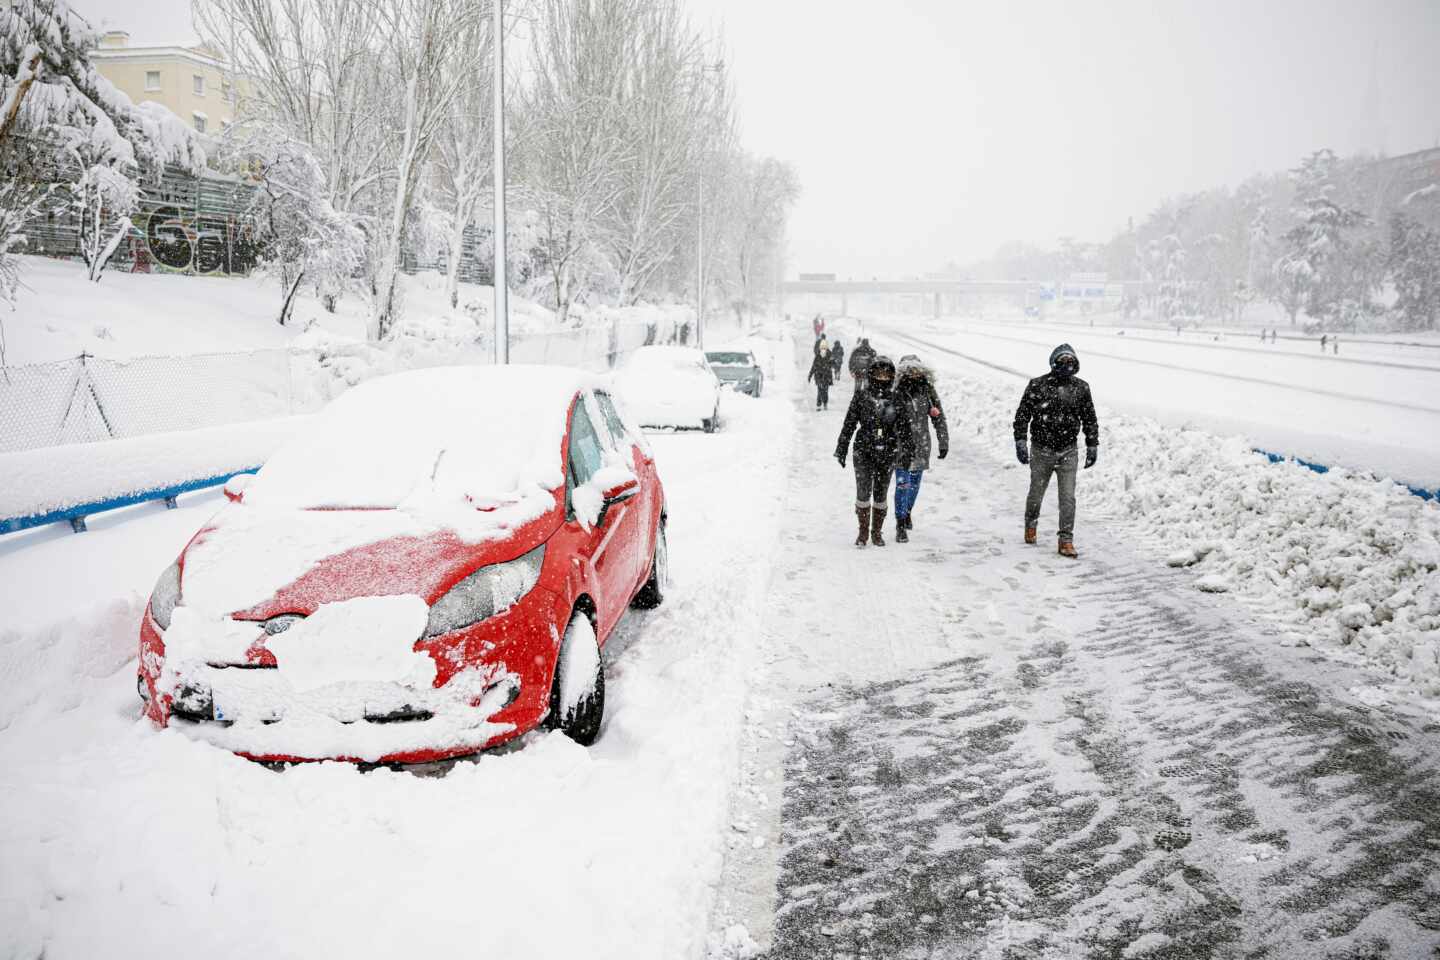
76, 515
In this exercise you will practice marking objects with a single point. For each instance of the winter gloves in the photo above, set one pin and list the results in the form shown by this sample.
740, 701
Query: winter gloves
1091, 455
1022, 451
942, 451
840, 455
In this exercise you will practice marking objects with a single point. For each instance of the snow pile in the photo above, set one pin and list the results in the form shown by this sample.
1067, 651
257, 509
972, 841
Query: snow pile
1350, 562
57, 478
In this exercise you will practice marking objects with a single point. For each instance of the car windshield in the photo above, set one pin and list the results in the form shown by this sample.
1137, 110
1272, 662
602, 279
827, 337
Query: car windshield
457, 433
730, 359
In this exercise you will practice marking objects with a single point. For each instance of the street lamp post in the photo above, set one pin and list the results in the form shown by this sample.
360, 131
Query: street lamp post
497, 123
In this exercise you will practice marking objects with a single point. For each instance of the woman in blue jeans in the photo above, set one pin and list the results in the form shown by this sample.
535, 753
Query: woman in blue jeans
920, 402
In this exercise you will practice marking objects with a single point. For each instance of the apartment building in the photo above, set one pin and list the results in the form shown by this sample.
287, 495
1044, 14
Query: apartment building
192, 81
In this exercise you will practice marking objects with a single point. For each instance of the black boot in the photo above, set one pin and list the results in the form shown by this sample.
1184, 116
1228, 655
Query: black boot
901, 525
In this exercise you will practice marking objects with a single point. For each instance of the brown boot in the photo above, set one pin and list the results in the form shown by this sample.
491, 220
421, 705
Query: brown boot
863, 513
877, 524
1030, 535
1067, 549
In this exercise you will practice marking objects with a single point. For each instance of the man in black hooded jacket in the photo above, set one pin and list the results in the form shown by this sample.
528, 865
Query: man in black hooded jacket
1052, 412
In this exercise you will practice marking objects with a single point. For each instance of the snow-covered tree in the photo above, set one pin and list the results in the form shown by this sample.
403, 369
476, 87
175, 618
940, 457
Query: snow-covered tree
572, 141
1414, 263
302, 237
464, 157
755, 210
1313, 269
668, 101
101, 199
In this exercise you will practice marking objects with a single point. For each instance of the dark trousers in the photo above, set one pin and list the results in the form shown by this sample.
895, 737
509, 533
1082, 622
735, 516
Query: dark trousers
1064, 464
822, 395
872, 484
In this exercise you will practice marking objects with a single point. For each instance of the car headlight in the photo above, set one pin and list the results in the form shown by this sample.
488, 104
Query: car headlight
485, 593
166, 596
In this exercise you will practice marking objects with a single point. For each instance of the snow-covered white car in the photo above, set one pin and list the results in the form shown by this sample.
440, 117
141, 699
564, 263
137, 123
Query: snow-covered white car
432, 568
737, 368
670, 386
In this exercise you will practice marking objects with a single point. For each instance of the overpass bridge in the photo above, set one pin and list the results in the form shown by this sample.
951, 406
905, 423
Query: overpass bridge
953, 294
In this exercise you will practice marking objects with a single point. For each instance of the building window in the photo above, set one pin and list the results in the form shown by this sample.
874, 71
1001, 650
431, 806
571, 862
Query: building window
199, 83
152, 79
199, 121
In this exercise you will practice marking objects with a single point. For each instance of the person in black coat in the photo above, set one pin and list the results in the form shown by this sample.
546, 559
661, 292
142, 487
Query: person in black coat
837, 356
1052, 412
823, 373
883, 437
860, 359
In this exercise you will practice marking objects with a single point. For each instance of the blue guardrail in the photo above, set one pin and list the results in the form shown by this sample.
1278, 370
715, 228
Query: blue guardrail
77, 514
1420, 492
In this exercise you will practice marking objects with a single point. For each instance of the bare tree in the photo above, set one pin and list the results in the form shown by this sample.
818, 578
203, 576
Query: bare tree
464, 160
572, 140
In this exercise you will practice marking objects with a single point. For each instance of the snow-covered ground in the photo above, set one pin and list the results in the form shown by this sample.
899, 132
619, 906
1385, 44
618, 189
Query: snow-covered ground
119, 840
958, 744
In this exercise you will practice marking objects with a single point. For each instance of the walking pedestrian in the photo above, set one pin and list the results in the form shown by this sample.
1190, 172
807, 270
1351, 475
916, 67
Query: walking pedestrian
1323, 339
818, 325
823, 373
1274, 334
882, 438
860, 360
920, 402
1335, 343
1052, 411
837, 356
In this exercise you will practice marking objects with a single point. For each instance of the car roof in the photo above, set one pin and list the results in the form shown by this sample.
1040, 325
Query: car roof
491, 430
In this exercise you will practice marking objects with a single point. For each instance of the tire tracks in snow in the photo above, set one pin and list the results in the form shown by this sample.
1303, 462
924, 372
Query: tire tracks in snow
1040, 758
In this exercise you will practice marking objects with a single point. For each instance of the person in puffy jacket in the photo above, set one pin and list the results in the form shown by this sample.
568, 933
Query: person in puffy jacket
1052, 412
860, 360
823, 373
882, 436
837, 356
920, 402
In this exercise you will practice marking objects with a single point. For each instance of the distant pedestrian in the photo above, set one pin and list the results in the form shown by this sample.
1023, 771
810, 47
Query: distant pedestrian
1262, 334
819, 325
1052, 411
1323, 339
919, 401
1274, 334
837, 356
823, 373
1336, 344
860, 359
882, 435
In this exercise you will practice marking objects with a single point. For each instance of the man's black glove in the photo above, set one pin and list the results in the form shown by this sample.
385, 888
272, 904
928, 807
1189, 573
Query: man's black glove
840, 455
1091, 455
1022, 451
942, 452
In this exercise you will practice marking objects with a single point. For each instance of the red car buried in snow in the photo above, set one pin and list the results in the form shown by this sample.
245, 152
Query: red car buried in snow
431, 569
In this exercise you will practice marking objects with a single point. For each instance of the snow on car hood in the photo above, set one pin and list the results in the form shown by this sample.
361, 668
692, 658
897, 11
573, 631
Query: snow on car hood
250, 556
465, 453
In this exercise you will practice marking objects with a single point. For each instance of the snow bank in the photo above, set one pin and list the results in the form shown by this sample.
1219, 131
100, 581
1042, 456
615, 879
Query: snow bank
58, 478
1350, 563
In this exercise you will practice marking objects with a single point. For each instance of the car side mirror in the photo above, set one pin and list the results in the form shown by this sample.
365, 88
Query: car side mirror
235, 486
617, 494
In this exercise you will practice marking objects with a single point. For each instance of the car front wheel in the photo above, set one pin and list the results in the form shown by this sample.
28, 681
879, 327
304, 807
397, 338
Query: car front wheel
577, 694
712, 423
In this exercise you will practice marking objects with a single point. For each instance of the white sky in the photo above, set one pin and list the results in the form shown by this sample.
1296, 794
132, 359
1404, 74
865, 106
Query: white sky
930, 130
